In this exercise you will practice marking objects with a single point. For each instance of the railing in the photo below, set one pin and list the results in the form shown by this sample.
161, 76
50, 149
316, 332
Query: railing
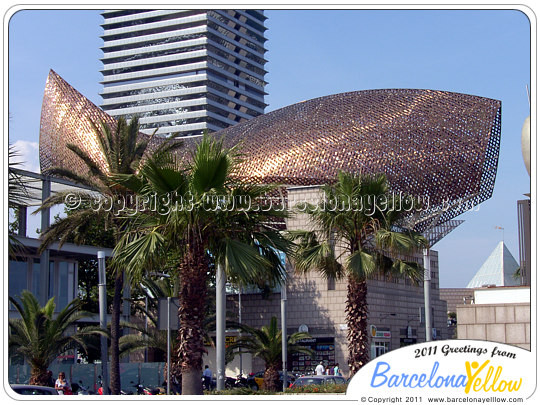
147, 374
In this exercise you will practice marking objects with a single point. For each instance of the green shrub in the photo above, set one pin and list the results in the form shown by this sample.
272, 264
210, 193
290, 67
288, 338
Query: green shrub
318, 388
240, 391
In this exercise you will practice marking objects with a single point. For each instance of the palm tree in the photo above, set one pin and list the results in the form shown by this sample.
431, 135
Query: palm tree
17, 196
265, 343
151, 337
147, 336
17, 191
358, 235
39, 336
199, 221
123, 154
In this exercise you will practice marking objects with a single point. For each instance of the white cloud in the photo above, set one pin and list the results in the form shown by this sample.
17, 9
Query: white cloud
28, 155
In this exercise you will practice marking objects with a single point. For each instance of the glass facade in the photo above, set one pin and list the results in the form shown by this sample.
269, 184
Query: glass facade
17, 277
26, 275
36, 274
62, 296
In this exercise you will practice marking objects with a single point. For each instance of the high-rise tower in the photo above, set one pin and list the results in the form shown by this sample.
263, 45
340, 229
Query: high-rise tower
184, 71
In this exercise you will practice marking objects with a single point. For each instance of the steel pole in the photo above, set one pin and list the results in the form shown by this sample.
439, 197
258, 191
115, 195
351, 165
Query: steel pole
102, 284
168, 345
240, 322
284, 333
220, 327
46, 291
146, 327
427, 294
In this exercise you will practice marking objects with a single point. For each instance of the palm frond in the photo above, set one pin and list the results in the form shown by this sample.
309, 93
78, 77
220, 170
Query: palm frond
244, 261
87, 181
40, 336
17, 191
137, 254
360, 264
211, 165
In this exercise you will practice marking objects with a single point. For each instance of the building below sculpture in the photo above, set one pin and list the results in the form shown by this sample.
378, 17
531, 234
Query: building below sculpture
316, 304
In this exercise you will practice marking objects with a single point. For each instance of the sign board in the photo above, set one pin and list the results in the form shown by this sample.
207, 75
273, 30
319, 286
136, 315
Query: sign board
229, 340
375, 333
162, 313
323, 348
407, 341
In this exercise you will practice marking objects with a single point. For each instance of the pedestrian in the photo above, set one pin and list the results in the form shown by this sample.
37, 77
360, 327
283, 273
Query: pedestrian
207, 377
319, 370
50, 379
337, 371
61, 385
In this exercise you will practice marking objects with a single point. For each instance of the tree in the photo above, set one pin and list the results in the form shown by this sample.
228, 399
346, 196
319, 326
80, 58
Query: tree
209, 218
151, 337
17, 196
123, 153
40, 337
265, 343
147, 305
358, 233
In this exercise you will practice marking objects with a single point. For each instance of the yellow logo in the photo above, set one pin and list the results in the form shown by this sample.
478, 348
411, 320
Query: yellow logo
488, 381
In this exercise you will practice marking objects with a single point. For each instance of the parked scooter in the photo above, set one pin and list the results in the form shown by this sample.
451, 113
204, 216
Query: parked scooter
142, 390
240, 381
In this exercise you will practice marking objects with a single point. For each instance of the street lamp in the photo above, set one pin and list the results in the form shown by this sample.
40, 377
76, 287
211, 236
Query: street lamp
427, 293
102, 282
221, 295
240, 322
284, 331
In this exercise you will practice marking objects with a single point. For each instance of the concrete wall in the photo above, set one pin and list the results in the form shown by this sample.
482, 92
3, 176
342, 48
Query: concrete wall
506, 295
456, 296
504, 323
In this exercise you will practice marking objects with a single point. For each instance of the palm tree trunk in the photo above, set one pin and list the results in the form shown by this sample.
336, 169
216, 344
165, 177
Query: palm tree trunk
38, 375
191, 313
115, 333
357, 316
271, 378
176, 367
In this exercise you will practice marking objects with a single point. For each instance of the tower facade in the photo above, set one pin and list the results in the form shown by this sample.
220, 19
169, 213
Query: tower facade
184, 71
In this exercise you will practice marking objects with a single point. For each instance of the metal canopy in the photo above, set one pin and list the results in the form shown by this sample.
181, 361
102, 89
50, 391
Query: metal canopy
34, 186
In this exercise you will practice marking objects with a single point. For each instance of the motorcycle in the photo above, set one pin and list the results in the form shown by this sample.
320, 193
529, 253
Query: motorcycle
142, 390
240, 381
100, 389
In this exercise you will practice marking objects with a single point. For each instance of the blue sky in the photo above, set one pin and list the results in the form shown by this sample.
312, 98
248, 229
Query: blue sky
316, 53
